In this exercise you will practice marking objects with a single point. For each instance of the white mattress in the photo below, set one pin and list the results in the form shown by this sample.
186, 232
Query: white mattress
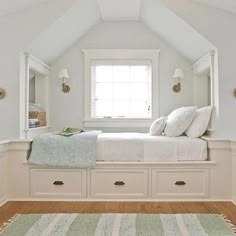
144, 147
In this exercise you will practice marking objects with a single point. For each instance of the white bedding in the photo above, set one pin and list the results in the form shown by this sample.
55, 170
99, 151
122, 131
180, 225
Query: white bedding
144, 147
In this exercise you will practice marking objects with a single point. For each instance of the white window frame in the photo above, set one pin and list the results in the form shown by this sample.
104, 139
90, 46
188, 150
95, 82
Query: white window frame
116, 54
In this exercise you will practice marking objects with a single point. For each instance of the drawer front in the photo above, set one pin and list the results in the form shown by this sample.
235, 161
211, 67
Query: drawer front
180, 183
119, 183
58, 183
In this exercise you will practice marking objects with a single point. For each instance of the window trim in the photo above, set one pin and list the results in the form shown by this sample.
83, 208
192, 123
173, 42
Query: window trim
116, 54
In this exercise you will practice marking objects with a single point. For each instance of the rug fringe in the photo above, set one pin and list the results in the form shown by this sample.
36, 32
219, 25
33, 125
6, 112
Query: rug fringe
6, 224
232, 226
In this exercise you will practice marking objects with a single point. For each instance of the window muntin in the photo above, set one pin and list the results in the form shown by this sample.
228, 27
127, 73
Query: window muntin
121, 89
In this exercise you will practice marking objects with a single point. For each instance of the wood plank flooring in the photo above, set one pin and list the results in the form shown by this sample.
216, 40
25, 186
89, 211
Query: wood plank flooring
11, 208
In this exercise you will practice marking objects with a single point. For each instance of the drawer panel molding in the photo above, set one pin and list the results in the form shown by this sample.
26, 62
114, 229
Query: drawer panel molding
119, 183
174, 183
58, 183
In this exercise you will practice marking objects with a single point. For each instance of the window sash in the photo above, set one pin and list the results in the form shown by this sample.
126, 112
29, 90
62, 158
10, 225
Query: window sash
130, 63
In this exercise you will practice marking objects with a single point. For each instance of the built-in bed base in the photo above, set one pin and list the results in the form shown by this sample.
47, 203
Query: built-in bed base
123, 181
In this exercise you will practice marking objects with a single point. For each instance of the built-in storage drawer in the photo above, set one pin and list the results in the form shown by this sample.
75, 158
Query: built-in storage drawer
119, 183
174, 183
58, 183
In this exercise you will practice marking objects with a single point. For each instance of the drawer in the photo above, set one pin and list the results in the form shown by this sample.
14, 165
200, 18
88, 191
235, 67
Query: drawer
58, 183
180, 183
119, 183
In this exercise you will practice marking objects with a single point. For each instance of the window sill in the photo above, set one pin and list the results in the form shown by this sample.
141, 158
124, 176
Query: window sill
118, 123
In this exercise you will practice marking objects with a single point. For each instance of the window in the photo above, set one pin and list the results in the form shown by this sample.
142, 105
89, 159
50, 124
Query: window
121, 89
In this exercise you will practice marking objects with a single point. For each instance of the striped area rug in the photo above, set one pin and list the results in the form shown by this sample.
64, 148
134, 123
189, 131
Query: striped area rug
118, 224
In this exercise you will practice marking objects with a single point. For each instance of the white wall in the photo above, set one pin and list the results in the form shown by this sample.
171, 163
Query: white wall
17, 30
67, 109
217, 26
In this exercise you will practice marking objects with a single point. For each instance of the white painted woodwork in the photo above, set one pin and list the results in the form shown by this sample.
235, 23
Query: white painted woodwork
28, 62
42, 183
205, 180
203, 64
233, 146
18, 170
102, 183
164, 183
3, 173
221, 174
119, 54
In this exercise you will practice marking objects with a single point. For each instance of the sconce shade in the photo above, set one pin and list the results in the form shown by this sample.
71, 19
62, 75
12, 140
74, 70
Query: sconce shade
64, 74
178, 74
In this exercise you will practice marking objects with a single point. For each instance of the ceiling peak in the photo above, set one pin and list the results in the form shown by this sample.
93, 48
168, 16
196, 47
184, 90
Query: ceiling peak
119, 9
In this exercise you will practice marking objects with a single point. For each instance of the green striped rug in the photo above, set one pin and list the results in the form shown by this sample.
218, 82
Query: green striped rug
117, 224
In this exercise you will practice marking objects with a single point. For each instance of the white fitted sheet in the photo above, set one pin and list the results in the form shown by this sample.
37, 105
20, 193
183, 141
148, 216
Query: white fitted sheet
144, 147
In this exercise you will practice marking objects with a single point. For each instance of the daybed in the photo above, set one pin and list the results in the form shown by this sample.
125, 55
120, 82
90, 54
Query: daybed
119, 178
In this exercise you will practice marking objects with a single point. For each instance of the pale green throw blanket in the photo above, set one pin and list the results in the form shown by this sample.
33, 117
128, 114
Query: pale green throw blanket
77, 151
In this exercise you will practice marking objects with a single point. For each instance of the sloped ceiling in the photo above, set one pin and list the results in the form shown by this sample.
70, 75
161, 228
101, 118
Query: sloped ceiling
10, 6
228, 5
173, 29
120, 10
66, 30
87, 13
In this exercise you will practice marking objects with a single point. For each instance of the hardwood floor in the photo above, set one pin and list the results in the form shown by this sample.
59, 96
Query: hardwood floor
11, 208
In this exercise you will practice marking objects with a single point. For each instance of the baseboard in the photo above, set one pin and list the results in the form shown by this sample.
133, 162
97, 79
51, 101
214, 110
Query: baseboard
118, 200
234, 201
3, 201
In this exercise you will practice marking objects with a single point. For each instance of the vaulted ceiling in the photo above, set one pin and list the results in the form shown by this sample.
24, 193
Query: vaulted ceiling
10, 6
85, 14
110, 9
228, 5
119, 10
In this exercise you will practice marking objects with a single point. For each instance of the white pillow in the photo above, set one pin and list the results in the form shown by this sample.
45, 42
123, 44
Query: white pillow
179, 120
157, 127
200, 122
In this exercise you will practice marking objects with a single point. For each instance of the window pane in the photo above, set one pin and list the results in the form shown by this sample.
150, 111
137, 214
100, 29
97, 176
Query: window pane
103, 91
103, 73
121, 73
103, 108
139, 91
121, 91
139, 109
120, 109
139, 73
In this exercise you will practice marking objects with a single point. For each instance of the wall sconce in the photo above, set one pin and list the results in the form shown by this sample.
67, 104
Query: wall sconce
64, 75
178, 75
2, 93
234, 93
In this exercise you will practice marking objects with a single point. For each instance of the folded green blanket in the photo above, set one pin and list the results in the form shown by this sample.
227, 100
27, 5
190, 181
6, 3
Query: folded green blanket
67, 132
76, 151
